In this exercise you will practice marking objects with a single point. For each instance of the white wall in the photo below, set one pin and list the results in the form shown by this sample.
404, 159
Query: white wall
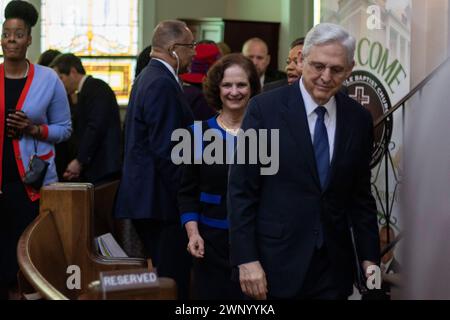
296, 19
34, 50
171, 9
430, 37
253, 10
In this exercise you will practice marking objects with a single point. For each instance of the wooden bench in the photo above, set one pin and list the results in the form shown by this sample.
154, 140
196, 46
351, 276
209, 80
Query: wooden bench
63, 235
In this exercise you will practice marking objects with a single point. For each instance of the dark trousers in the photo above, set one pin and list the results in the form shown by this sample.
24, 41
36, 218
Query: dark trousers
212, 274
320, 280
212, 281
17, 212
165, 244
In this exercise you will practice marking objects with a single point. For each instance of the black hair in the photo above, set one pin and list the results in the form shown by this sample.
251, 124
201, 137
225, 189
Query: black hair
143, 59
64, 63
297, 42
46, 58
22, 10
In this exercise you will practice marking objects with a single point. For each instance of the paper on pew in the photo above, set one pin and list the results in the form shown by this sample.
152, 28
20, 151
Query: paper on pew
109, 247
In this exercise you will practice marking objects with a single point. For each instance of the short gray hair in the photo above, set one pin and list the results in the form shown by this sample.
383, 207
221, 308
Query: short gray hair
168, 32
325, 33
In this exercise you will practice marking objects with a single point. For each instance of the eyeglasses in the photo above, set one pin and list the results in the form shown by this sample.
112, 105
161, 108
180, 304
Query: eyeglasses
189, 45
319, 68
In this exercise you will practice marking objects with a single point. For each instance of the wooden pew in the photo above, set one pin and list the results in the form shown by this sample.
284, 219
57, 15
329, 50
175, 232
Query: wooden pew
71, 216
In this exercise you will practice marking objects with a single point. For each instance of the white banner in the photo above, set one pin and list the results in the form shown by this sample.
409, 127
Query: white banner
380, 79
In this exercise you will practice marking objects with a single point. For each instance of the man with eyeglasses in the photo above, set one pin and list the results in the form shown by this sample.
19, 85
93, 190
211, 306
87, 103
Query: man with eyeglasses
148, 190
289, 232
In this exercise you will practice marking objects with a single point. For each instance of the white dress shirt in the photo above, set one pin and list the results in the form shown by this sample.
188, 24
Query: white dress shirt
330, 116
80, 85
262, 79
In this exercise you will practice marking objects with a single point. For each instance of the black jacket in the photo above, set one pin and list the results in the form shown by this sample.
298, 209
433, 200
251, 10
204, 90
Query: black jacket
97, 131
273, 75
275, 85
274, 218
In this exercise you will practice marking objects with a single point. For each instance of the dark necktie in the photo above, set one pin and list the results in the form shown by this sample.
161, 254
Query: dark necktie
321, 146
322, 153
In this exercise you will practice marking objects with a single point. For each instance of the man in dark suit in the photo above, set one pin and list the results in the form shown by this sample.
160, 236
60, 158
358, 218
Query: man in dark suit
150, 181
256, 50
96, 123
289, 232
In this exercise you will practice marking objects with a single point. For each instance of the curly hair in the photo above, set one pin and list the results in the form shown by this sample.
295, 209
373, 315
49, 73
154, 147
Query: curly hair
22, 10
211, 84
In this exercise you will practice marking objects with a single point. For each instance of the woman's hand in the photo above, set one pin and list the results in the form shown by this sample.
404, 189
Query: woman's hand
196, 245
19, 121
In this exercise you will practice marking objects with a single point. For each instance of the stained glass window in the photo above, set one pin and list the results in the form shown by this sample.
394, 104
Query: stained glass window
103, 33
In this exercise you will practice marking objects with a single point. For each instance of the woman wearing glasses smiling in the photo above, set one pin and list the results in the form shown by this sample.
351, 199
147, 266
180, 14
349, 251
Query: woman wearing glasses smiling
34, 114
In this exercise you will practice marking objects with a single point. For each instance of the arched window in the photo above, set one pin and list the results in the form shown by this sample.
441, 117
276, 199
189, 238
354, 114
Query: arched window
103, 33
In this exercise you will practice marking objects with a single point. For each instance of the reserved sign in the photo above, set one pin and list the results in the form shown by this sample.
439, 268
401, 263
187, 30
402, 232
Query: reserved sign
128, 280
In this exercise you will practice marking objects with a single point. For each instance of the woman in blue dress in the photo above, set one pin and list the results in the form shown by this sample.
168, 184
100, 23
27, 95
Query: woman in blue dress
229, 85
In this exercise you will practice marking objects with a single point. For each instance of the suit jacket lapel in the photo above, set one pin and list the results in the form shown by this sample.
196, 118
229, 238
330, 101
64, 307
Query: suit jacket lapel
295, 116
342, 137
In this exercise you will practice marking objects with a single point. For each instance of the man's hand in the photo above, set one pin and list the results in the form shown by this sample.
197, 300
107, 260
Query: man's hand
253, 280
196, 246
73, 170
366, 264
